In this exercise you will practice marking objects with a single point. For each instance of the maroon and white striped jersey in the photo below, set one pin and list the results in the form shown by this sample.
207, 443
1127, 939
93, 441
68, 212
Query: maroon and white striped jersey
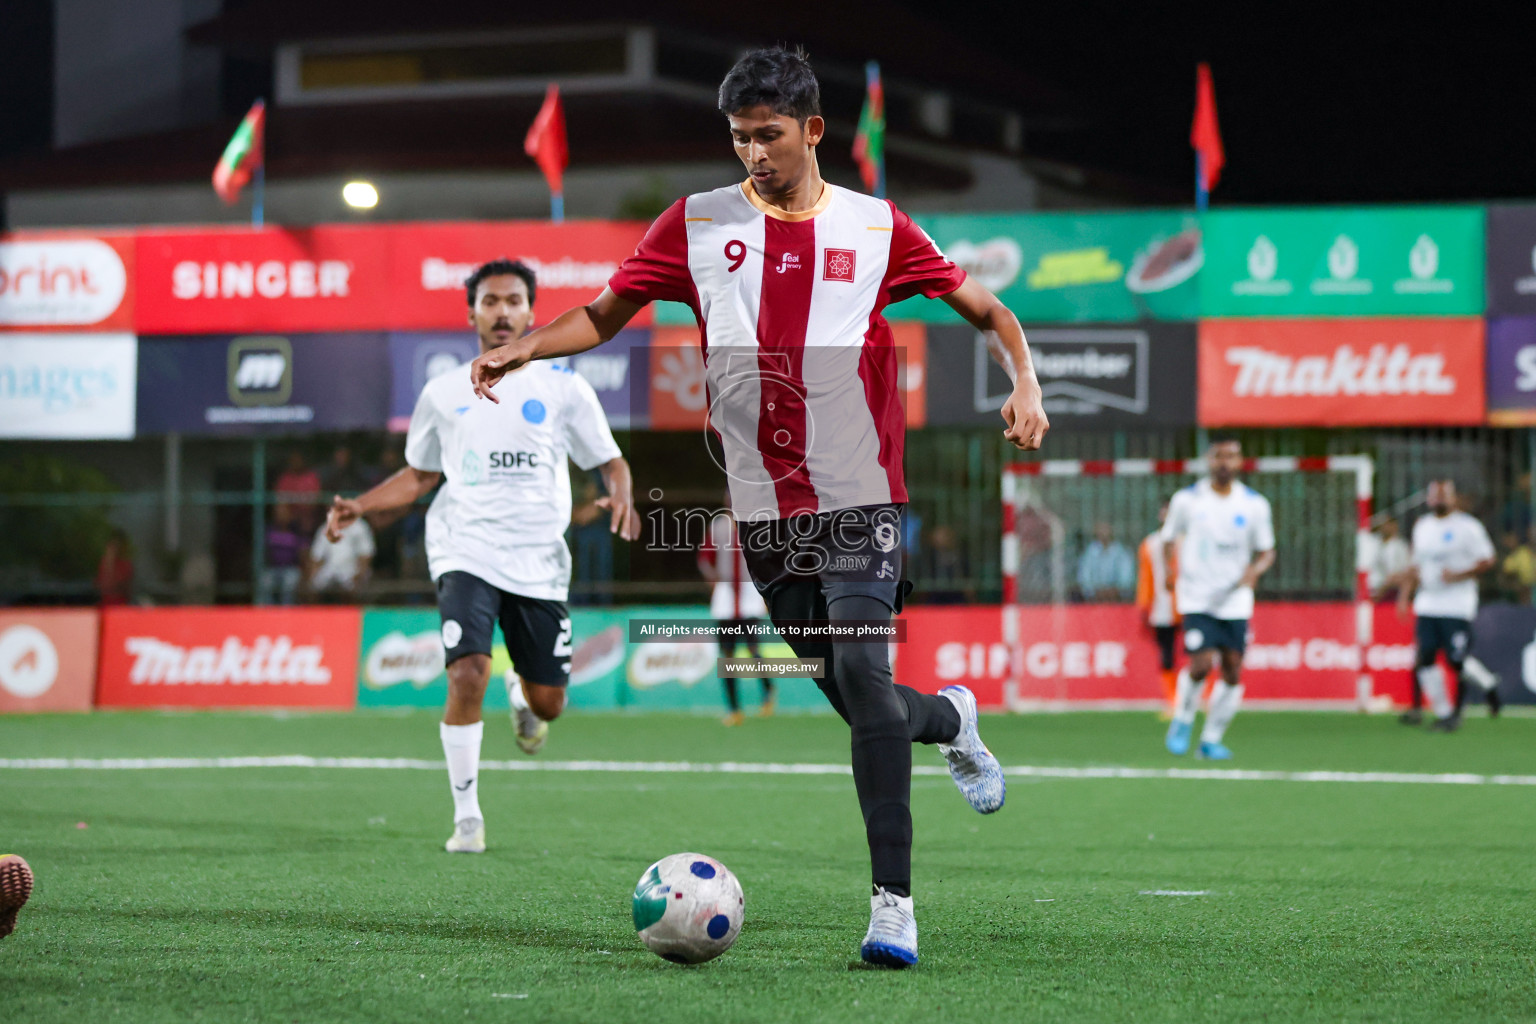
801, 367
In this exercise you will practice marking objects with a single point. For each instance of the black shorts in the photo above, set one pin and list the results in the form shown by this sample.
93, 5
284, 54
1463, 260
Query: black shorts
537, 631
1206, 632
852, 551
1434, 634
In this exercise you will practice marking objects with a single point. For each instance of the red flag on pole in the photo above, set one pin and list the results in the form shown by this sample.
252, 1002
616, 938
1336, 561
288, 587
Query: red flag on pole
546, 144
1205, 133
243, 155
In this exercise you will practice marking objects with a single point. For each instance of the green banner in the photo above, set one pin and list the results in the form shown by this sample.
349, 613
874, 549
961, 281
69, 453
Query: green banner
1071, 267
1348, 261
401, 665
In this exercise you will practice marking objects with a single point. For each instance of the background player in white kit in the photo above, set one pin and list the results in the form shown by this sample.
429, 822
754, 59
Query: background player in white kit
1450, 551
787, 275
496, 531
1222, 535
734, 603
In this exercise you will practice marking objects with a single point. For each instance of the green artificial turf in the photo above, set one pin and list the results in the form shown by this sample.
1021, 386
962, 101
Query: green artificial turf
308, 894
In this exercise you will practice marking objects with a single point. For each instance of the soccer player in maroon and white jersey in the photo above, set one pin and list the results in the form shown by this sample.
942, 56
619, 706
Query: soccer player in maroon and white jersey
787, 276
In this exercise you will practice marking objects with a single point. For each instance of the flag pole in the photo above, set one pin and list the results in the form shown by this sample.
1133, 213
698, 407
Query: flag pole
1202, 197
259, 196
557, 207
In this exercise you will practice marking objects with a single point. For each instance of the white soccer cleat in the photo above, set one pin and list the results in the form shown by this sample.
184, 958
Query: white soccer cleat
971, 764
531, 730
468, 837
892, 937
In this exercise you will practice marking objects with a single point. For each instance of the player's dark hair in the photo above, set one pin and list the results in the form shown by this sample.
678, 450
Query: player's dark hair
495, 268
1225, 437
780, 79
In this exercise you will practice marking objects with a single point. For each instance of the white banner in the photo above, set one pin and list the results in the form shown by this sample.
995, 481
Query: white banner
68, 386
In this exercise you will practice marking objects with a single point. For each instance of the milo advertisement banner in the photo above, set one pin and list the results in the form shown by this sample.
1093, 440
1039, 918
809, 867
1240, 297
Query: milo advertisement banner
1072, 267
401, 665
1346, 261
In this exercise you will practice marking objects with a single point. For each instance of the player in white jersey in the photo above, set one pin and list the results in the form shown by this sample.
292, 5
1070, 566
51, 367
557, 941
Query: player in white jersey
1222, 535
1450, 551
496, 530
787, 276
735, 605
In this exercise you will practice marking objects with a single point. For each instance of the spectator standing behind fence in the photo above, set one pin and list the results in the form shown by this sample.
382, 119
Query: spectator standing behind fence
1517, 568
1156, 600
338, 571
1387, 560
945, 569
284, 571
1105, 570
300, 487
114, 573
593, 543
343, 475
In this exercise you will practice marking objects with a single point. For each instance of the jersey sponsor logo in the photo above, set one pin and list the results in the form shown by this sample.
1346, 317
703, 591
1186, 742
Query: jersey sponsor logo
838, 264
268, 661
470, 470
514, 460
887, 572
533, 411
29, 663
789, 261
260, 371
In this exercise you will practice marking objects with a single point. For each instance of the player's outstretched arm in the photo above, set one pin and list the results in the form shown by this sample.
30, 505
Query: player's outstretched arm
399, 491
1024, 411
620, 501
573, 331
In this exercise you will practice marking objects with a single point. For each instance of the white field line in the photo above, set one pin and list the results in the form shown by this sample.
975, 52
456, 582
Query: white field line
750, 768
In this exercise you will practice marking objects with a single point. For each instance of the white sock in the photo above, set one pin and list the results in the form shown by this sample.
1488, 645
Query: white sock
461, 745
1225, 700
1432, 680
515, 694
1479, 673
1186, 701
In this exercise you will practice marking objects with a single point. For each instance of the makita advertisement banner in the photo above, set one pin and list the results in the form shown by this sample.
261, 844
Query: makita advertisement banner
1297, 652
66, 282
1343, 261
229, 657
1338, 373
263, 383
1094, 375
362, 277
68, 386
1511, 251
1072, 266
1512, 371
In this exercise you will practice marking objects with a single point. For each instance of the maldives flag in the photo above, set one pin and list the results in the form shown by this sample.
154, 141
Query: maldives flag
243, 154
546, 140
1205, 133
869, 142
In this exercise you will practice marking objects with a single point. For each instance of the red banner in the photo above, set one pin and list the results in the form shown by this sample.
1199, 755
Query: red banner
1298, 652
362, 277
66, 282
1336, 373
47, 659
229, 657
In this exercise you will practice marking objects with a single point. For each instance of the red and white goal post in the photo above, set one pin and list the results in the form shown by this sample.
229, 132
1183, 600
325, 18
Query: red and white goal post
1018, 477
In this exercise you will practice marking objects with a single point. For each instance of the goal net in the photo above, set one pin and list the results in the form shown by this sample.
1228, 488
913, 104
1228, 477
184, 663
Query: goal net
1072, 531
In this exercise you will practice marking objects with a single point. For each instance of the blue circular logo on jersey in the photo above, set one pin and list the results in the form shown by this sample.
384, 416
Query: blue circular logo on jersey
1447, 537
1240, 520
533, 411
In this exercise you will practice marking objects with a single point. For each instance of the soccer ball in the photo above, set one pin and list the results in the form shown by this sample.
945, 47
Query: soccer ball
688, 908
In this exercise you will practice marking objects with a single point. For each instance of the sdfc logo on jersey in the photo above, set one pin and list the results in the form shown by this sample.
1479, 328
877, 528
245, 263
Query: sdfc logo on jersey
838, 264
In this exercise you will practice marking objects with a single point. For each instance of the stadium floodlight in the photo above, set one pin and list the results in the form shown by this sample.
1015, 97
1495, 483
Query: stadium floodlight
360, 195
